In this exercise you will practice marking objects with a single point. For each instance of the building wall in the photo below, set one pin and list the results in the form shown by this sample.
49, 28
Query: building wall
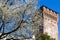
50, 23
37, 22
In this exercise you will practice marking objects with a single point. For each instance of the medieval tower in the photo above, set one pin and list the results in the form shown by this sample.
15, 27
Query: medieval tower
46, 20
50, 22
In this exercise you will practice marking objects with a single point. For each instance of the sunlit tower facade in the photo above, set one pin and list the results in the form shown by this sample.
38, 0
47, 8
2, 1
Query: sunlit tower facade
50, 22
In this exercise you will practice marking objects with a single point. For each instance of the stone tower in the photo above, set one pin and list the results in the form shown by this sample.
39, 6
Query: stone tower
45, 20
50, 22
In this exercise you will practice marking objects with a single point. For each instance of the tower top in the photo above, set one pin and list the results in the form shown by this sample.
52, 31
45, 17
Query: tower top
50, 12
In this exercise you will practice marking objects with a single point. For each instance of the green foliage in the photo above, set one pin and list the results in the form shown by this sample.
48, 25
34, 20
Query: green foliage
44, 37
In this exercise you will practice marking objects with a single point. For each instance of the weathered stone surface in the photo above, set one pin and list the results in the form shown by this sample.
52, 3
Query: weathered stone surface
50, 22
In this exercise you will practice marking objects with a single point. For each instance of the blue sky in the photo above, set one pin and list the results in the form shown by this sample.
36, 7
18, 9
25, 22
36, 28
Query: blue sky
54, 5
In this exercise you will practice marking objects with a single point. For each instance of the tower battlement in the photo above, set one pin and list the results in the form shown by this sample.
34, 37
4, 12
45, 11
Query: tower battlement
50, 12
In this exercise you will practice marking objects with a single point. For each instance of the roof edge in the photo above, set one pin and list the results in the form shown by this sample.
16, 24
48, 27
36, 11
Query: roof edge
48, 8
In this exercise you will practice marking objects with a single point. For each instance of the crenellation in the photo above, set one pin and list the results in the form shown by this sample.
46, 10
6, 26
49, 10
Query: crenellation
50, 12
56, 15
47, 10
44, 10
